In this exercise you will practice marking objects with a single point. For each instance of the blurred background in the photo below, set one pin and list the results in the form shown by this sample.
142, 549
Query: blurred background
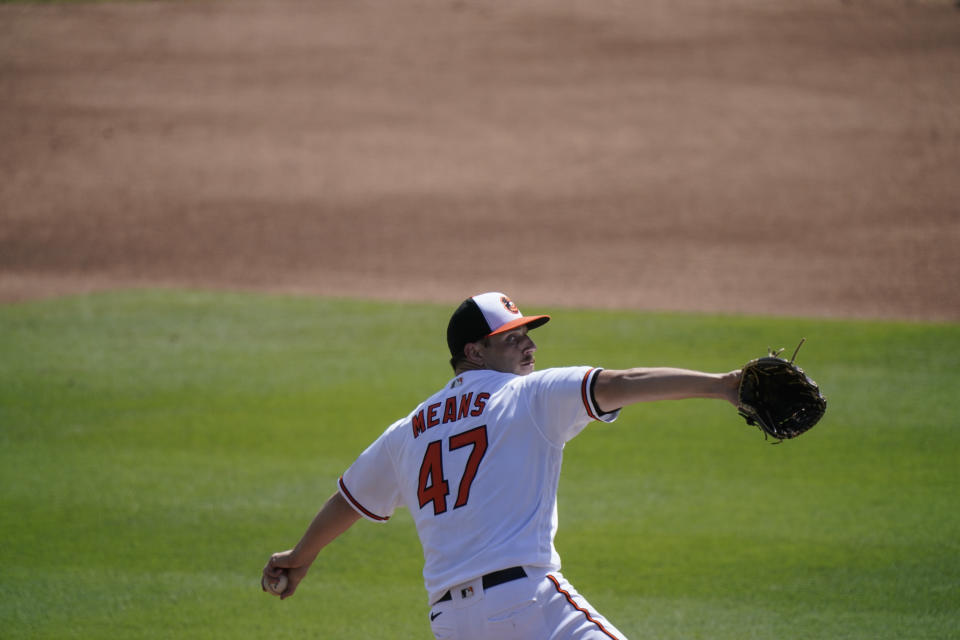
744, 156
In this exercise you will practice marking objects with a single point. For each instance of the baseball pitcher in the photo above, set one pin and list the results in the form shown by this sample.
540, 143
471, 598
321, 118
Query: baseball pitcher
478, 464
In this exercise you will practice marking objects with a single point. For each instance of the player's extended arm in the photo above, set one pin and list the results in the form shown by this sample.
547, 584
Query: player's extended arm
335, 517
618, 388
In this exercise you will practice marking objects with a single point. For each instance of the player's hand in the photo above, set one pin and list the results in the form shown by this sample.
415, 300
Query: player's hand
285, 561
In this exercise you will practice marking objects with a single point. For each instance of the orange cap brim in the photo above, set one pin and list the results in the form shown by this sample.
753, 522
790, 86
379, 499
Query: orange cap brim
532, 321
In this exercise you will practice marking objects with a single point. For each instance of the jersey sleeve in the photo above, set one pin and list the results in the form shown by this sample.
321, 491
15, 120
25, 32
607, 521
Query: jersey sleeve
562, 403
370, 483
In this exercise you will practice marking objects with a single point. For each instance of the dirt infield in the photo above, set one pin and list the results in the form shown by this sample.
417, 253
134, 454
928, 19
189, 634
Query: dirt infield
743, 156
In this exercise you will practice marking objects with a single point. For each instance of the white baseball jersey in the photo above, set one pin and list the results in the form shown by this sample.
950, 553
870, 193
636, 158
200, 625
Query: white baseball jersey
478, 464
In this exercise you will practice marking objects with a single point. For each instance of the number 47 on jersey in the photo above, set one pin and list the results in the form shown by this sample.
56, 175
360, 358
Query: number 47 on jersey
433, 486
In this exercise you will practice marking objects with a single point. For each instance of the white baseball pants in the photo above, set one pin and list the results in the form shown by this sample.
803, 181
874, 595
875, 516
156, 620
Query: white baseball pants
542, 606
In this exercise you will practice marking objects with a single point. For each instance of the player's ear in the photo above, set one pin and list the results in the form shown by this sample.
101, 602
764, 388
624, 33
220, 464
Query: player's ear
473, 353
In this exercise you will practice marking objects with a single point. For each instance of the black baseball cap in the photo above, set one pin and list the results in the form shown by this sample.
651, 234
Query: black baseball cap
485, 315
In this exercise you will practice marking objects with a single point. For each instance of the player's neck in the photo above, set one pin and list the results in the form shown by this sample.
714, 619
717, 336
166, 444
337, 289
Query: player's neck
468, 366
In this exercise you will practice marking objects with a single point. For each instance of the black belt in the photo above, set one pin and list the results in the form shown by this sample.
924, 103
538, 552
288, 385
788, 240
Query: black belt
493, 579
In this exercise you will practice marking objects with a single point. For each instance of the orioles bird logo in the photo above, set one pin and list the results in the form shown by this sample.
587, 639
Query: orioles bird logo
508, 305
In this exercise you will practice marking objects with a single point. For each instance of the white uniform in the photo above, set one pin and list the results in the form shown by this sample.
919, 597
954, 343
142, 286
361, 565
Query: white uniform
478, 464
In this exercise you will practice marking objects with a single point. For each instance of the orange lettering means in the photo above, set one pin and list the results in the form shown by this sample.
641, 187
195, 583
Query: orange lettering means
454, 408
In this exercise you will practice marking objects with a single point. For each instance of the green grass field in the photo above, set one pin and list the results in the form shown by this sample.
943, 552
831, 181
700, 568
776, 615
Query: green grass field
156, 447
